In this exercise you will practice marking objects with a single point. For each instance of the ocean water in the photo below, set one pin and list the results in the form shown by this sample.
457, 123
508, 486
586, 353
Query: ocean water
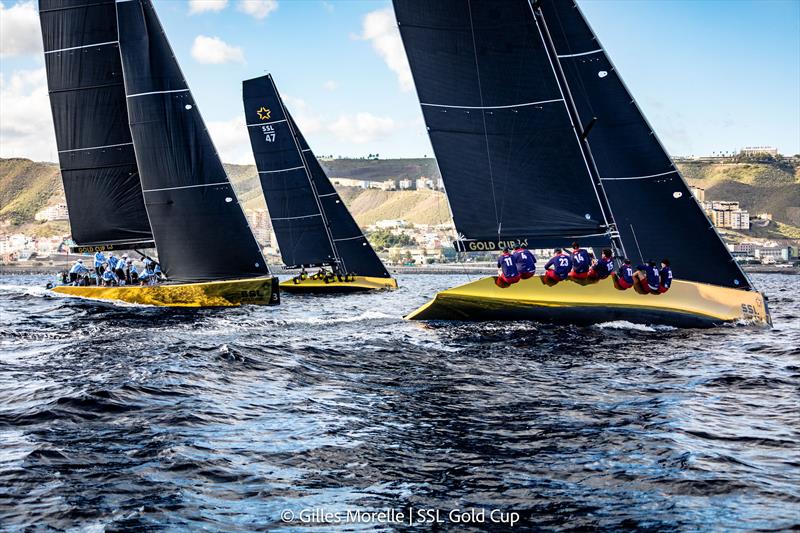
117, 417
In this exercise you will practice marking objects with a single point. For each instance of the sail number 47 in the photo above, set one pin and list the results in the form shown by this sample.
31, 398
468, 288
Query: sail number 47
269, 133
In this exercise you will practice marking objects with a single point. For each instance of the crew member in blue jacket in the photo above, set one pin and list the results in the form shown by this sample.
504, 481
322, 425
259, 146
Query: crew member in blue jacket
581, 262
562, 265
109, 278
665, 276
77, 271
604, 267
507, 273
624, 277
99, 259
525, 261
648, 277
112, 262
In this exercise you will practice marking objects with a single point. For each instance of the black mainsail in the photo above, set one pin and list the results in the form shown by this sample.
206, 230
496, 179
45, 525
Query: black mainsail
532, 127
311, 222
95, 150
199, 227
509, 155
655, 212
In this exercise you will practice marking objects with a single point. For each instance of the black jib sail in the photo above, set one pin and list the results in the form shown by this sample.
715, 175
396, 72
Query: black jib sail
199, 227
95, 151
311, 222
498, 121
655, 213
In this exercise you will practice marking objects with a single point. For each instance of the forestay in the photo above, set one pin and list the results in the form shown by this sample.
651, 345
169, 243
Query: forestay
499, 125
199, 227
95, 151
311, 222
655, 212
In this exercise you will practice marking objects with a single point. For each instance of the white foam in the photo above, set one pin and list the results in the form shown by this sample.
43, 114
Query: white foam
624, 324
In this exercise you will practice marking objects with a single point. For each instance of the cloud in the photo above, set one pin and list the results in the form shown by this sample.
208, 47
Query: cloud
330, 85
307, 120
20, 33
215, 51
380, 29
362, 127
231, 140
327, 6
257, 8
200, 6
26, 122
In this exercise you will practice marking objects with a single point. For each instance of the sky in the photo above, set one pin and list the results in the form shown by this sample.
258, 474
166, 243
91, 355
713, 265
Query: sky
710, 75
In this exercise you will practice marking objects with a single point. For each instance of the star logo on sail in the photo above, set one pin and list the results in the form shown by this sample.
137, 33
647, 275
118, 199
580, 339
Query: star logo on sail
264, 113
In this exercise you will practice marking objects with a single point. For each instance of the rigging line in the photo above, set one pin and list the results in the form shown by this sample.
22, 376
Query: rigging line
581, 53
641, 177
637, 243
79, 47
94, 148
266, 123
483, 116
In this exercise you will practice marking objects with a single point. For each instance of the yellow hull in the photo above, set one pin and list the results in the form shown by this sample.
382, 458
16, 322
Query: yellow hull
686, 304
360, 284
228, 293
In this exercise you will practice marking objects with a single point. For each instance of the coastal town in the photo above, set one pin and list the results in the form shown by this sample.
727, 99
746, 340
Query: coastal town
753, 237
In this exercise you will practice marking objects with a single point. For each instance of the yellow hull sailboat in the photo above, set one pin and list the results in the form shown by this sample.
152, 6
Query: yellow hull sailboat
312, 225
686, 304
321, 285
140, 170
228, 293
540, 144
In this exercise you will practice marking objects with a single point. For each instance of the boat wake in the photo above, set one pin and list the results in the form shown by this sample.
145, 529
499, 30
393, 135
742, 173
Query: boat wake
624, 324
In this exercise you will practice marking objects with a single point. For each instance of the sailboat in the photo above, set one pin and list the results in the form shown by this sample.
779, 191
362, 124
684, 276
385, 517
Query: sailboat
312, 225
138, 166
539, 142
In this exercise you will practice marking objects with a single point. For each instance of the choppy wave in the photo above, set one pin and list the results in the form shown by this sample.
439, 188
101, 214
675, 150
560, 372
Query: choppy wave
114, 417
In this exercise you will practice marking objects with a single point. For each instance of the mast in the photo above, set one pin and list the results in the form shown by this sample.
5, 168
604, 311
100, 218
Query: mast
581, 131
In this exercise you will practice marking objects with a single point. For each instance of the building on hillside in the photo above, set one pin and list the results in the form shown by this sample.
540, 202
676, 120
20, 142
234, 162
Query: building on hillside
53, 212
424, 183
759, 150
776, 254
698, 193
405, 184
389, 224
388, 185
349, 182
440, 184
261, 224
764, 216
727, 214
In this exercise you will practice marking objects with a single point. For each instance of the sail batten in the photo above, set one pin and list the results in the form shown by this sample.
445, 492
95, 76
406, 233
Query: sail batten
199, 226
312, 224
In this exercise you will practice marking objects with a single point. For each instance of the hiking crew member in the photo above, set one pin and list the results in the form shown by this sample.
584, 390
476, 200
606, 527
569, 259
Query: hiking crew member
562, 265
581, 262
665, 276
525, 261
77, 271
507, 273
121, 268
109, 278
133, 274
624, 277
99, 259
648, 277
604, 267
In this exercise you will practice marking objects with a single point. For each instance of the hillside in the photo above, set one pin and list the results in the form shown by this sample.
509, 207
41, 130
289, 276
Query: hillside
758, 187
26, 187
771, 187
